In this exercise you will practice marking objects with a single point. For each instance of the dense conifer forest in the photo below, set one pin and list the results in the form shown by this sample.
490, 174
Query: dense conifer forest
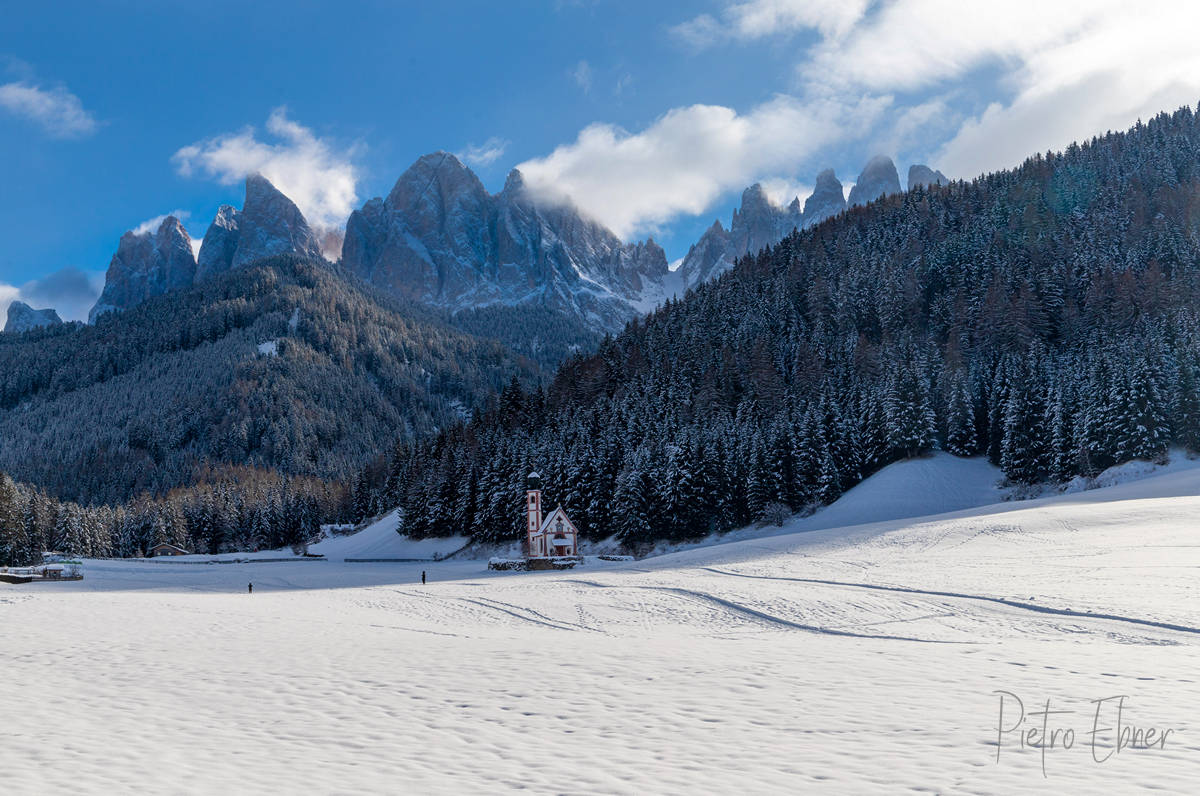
283, 365
1047, 317
286, 369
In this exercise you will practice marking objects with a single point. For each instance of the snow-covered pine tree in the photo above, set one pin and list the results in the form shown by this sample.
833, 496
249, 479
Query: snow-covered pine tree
829, 480
1187, 402
634, 501
1023, 453
1142, 429
961, 438
1063, 452
12, 529
910, 419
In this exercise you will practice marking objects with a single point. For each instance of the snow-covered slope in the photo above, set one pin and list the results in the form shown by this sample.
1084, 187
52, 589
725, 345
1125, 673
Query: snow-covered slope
912, 488
380, 540
849, 660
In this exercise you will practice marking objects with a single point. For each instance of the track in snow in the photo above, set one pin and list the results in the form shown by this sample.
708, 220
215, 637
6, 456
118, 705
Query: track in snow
1041, 609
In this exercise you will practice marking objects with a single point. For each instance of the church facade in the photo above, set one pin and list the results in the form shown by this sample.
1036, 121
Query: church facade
549, 536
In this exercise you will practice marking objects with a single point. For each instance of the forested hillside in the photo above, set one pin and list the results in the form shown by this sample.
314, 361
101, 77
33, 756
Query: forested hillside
282, 365
1047, 316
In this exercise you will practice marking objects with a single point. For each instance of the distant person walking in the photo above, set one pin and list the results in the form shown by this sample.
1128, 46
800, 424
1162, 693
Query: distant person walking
250, 588
422, 577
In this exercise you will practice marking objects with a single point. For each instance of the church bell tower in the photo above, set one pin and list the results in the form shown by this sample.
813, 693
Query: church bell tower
533, 517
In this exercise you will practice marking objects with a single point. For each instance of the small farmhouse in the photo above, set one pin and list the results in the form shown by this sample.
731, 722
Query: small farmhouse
167, 549
552, 536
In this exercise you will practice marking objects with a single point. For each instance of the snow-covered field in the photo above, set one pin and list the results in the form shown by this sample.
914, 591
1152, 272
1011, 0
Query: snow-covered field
857, 660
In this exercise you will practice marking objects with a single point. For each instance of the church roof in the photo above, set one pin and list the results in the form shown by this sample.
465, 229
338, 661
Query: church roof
551, 516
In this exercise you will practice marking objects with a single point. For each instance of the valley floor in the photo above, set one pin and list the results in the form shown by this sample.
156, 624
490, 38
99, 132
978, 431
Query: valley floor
863, 659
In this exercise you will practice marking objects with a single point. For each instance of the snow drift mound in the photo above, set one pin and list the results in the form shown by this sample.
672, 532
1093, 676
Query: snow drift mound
380, 540
936, 484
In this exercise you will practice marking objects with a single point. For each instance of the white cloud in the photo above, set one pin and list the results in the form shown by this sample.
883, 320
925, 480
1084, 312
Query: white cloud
782, 191
684, 161
484, 154
59, 112
321, 179
1120, 64
582, 75
965, 87
758, 18
1045, 73
8, 294
152, 224
699, 32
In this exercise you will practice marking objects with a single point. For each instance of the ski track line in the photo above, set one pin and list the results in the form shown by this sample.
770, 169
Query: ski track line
515, 615
541, 618
778, 620
1041, 609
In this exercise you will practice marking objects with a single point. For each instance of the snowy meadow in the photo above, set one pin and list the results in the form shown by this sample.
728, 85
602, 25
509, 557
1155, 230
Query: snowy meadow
870, 658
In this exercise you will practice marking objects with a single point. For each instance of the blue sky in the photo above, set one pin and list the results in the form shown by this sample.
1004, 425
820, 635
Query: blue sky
651, 116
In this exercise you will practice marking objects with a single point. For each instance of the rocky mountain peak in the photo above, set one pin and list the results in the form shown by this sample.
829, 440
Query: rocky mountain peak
22, 318
754, 199
828, 199
268, 224
435, 183
441, 239
514, 182
271, 224
878, 178
219, 244
147, 264
920, 174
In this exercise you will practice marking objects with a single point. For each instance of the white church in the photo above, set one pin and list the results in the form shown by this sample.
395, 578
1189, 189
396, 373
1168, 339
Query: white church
554, 536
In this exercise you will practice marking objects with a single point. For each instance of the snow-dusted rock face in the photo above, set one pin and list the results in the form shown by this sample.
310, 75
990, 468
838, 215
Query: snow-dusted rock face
760, 223
709, 256
441, 239
22, 318
219, 244
878, 178
151, 264
827, 200
269, 224
145, 265
920, 174
757, 224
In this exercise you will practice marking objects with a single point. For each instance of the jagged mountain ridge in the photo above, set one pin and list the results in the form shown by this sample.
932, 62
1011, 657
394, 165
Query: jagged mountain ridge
760, 223
149, 264
441, 239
